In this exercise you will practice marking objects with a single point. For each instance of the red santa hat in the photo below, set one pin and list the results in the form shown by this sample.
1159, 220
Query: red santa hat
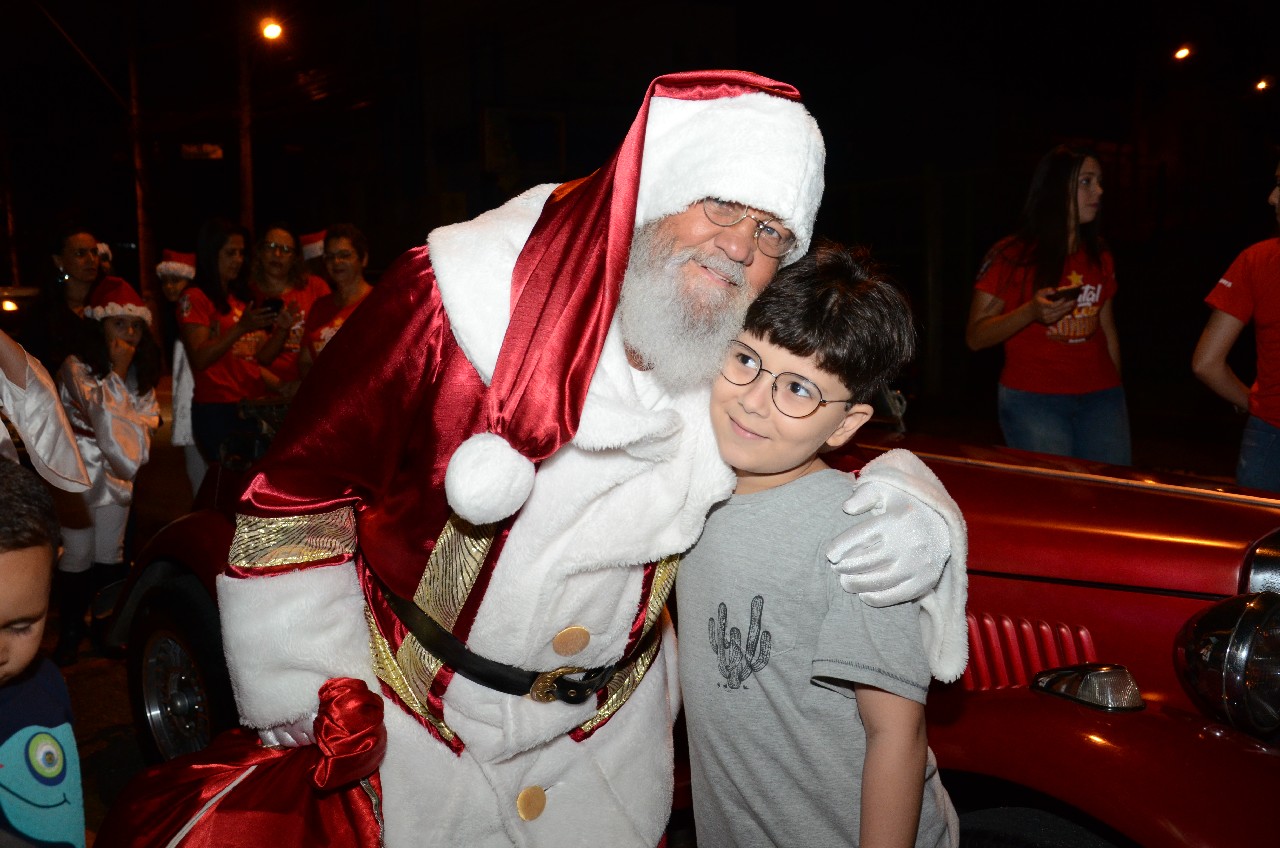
175, 264
114, 298
727, 134
313, 245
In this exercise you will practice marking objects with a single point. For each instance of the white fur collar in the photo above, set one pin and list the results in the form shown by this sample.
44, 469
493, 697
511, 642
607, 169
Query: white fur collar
474, 261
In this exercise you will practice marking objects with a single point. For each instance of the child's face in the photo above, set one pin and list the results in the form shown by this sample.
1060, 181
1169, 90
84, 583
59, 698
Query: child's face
764, 447
126, 329
171, 287
24, 606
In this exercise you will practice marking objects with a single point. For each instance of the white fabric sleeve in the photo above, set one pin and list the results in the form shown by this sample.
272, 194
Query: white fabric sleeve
36, 412
122, 421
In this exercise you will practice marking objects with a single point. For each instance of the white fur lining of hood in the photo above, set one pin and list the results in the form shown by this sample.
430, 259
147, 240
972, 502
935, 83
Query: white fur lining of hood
474, 261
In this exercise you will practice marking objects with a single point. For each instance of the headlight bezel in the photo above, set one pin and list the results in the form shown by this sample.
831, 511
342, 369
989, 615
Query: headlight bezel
1218, 658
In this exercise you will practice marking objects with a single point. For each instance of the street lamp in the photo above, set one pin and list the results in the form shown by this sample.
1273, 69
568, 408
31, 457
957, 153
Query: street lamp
1182, 52
271, 30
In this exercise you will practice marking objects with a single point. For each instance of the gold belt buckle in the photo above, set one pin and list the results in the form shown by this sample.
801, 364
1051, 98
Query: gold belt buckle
543, 689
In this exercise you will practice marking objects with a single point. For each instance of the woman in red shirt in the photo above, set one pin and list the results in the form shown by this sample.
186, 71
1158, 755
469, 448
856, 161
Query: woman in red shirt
346, 255
279, 278
222, 335
1046, 293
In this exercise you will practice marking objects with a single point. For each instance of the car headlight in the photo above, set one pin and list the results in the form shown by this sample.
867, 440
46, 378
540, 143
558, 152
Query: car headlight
1229, 658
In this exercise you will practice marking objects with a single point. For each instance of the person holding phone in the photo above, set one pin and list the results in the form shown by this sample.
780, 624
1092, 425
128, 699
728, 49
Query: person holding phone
1047, 294
281, 284
222, 331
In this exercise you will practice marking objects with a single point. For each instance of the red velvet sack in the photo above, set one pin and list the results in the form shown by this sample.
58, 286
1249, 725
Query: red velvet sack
238, 794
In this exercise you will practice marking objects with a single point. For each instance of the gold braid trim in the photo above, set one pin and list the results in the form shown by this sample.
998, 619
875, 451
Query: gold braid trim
626, 679
387, 665
621, 686
268, 542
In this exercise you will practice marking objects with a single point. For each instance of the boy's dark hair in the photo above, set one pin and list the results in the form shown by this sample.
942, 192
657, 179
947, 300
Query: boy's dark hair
836, 305
27, 519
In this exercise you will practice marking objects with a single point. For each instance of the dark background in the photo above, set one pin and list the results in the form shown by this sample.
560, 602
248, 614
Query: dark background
401, 116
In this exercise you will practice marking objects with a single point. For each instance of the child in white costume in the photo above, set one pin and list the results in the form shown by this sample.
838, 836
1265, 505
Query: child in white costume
29, 401
108, 391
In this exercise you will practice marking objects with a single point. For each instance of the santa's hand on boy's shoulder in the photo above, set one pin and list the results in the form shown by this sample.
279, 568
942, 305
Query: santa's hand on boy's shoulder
295, 734
899, 542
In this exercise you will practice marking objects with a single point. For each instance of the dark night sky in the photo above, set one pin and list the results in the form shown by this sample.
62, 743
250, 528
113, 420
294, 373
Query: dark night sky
402, 115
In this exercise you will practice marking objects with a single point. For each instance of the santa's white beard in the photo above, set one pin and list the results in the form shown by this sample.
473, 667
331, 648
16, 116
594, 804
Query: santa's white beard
679, 330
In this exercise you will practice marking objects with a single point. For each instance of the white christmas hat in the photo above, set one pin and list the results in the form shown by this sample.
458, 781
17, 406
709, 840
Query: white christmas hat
756, 149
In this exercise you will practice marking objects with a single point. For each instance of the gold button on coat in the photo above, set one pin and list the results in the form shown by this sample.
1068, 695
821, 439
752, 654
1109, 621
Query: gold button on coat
571, 640
531, 801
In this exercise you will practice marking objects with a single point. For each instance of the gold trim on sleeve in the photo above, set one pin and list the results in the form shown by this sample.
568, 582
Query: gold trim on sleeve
293, 539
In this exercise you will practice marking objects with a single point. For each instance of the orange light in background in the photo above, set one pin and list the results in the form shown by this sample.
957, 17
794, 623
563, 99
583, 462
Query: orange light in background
1263, 84
1182, 52
8, 306
271, 29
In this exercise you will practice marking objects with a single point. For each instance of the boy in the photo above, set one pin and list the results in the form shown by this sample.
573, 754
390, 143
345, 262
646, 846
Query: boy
41, 802
805, 707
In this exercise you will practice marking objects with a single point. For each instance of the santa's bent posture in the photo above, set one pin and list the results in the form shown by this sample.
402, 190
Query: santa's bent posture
478, 501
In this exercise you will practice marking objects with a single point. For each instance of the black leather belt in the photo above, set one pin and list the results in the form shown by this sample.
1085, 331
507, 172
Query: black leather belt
544, 687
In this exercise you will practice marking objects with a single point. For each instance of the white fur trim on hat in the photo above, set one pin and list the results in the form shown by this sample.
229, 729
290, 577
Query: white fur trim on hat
758, 149
117, 310
176, 269
487, 479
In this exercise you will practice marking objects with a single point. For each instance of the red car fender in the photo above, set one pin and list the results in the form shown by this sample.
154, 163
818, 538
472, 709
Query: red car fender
1196, 782
195, 544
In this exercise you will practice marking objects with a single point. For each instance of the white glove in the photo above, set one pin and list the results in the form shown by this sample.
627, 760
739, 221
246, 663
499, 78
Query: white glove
909, 542
896, 549
295, 734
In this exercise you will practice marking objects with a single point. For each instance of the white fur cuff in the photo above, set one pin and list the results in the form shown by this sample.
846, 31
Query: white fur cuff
286, 634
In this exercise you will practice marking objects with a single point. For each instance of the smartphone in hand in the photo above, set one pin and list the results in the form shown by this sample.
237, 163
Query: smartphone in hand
1065, 294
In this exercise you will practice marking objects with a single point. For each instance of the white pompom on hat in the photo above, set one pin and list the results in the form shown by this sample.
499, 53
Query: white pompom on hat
175, 264
487, 479
757, 149
114, 298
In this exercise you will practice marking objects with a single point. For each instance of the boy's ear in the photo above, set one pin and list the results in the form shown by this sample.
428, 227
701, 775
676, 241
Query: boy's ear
858, 414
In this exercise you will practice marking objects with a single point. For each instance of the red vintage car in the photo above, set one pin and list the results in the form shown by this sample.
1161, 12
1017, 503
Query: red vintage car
1124, 678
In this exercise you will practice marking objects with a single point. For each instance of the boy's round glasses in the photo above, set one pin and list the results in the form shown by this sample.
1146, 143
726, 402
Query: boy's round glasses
771, 241
793, 395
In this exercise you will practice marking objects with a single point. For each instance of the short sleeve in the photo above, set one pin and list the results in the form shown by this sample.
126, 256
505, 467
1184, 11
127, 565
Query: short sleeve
1002, 278
194, 307
880, 647
1234, 293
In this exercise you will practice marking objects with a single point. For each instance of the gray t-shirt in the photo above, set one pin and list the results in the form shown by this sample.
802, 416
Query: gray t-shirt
770, 647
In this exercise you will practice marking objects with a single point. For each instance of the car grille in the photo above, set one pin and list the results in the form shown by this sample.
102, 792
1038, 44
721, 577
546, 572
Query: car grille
1005, 652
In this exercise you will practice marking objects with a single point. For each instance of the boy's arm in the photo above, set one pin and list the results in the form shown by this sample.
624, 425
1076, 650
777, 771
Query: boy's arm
909, 542
893, 773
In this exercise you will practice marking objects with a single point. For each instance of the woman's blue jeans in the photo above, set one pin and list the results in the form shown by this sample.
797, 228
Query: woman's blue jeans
1093, 425
1259, 463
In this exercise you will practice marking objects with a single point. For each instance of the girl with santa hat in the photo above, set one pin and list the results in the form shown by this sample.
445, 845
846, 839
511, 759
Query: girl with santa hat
108, 390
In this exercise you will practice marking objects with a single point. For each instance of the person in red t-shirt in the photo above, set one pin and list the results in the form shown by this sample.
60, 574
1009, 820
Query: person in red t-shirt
346, 255
1249, 291
222, 335
279, 279
1046, 293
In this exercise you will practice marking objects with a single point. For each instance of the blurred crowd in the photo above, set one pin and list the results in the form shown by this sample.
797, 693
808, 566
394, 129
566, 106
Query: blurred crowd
238, 324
